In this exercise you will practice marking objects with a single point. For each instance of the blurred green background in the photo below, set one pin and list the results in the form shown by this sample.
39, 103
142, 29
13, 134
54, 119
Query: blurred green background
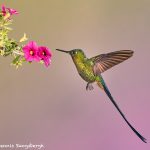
51, 106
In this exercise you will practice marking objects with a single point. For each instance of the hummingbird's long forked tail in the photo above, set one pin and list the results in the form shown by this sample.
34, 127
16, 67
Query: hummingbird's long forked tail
102, 85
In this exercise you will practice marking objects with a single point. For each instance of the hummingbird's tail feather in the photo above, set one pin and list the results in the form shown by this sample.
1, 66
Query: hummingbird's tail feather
102, 84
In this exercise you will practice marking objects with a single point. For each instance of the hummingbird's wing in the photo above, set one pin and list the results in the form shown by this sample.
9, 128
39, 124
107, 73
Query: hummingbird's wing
103, 62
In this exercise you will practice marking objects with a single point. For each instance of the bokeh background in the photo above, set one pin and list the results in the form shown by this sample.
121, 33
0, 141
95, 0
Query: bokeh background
51, 106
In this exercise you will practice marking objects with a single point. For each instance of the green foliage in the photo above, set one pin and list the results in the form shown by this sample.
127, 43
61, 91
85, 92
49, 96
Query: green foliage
9, 46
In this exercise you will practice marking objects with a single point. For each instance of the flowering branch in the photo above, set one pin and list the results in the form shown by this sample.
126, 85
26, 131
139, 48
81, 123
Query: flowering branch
20, 53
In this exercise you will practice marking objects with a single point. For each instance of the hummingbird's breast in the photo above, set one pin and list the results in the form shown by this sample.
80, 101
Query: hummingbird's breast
85, 70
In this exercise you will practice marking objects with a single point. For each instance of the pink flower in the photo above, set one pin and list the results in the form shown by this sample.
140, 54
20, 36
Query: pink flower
45, 55
3, 10
30, 52
34, 53
12, 11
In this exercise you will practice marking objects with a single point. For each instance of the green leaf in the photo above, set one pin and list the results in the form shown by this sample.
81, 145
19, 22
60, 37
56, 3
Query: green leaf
16, 59
8, 28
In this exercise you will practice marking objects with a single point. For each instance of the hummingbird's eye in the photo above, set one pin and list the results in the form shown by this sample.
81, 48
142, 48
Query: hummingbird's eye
74, 52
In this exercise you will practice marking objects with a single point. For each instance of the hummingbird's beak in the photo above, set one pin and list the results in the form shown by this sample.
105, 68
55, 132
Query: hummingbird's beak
63, 51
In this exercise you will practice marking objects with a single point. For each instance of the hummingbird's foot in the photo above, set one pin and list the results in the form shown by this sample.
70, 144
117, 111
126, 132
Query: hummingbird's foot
89, 86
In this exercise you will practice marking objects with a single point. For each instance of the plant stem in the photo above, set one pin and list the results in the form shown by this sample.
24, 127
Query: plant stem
18, 52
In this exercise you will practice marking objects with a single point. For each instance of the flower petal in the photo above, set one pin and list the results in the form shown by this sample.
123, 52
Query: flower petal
3, 10
45, 54
12, 11
30, 52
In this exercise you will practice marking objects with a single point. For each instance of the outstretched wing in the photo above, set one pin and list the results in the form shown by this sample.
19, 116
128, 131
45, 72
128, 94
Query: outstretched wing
105, 61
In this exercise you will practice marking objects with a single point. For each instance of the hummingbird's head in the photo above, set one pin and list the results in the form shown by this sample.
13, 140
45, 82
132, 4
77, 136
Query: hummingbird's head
75, 53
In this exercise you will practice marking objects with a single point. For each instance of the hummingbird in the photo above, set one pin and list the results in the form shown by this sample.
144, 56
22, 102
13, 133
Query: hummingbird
90, 70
